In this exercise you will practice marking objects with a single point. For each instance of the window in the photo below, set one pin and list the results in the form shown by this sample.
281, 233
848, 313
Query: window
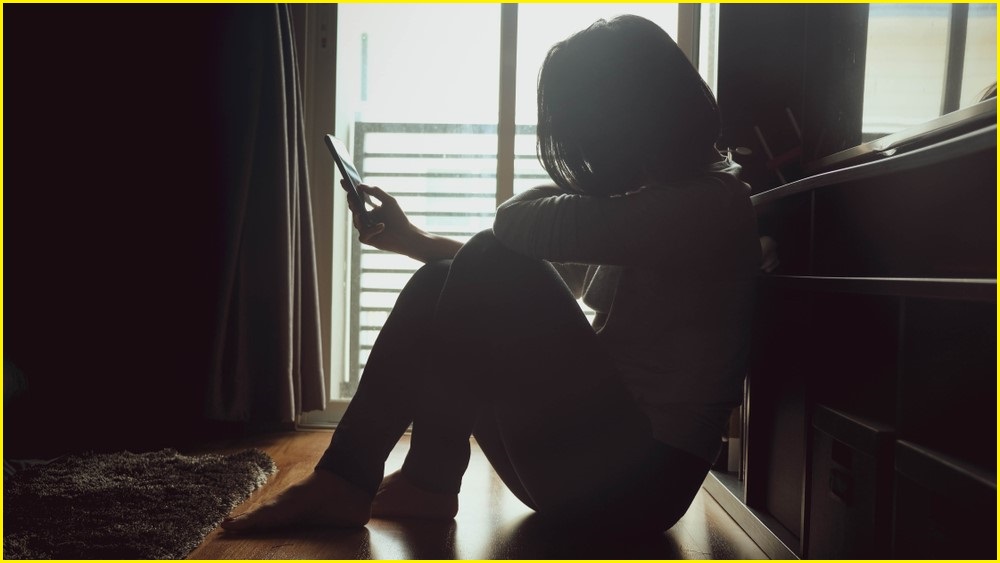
417, 105
418, 100
925, 60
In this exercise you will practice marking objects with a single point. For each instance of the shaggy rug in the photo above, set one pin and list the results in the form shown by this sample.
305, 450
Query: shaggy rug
157, 505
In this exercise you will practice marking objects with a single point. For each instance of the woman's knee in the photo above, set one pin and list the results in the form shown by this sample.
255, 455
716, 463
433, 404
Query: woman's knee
483, 255
483, 249
431, 274
492, 282
427, 281
482, 239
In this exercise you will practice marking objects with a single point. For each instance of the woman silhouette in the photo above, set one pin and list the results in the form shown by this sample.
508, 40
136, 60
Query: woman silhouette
617, 422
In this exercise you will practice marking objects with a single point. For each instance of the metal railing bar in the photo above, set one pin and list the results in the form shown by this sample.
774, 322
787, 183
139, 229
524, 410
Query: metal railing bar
423, 128
442, 155
441, 232
365, 270
451, 213
370, 175
428, 156
466, 195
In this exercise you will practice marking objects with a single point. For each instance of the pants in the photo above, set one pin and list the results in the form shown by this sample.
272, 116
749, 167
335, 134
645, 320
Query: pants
493, 344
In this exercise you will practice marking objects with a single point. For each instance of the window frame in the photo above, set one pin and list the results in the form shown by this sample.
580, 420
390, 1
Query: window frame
954, 76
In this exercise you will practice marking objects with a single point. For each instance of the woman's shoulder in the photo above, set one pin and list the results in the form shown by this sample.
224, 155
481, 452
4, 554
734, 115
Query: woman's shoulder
718, 183
723, 169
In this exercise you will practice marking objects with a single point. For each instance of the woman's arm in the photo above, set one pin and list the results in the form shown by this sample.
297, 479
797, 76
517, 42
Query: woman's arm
393, 232
659, 224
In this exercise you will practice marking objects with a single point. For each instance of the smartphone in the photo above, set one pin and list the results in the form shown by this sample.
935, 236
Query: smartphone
350, 173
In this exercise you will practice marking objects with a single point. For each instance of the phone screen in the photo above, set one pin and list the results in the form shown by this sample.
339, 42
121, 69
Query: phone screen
350, 173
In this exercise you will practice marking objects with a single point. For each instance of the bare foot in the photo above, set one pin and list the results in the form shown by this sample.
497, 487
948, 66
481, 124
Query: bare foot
397, 497
321, 499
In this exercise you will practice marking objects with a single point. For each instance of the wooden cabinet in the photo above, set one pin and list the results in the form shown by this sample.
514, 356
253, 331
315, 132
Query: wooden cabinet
884, 310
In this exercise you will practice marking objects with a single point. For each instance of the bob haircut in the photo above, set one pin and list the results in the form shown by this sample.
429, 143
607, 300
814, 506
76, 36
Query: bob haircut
620, 100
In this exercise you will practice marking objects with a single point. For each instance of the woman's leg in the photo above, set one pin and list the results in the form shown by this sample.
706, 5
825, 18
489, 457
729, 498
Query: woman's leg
497, 310
385, 402
560, 427
505, 333
630, 494
340, 492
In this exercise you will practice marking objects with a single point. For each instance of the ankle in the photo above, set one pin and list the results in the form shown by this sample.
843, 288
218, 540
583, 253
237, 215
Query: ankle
428, 481
399, 497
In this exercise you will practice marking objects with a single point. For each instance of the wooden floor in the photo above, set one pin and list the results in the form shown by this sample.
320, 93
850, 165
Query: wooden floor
491, 523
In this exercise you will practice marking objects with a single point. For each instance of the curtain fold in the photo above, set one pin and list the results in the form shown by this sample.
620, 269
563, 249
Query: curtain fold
267, 365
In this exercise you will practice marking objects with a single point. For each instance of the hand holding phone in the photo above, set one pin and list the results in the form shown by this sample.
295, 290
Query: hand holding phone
386, 226
351, 178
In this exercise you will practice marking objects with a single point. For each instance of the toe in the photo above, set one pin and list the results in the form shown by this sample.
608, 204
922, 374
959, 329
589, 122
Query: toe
236, 524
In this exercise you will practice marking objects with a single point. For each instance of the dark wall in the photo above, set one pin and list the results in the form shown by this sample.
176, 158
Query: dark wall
760, 79
115, 215
779, 62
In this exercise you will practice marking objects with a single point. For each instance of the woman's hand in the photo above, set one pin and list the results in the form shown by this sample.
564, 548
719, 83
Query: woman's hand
390, 228
392, 231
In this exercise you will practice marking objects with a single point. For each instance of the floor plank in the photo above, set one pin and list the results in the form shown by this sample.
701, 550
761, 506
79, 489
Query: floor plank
491, 523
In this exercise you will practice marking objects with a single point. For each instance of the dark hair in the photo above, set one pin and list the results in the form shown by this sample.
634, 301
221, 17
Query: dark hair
620, 98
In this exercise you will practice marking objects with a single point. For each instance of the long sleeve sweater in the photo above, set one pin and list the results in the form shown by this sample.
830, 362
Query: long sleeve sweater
670, 270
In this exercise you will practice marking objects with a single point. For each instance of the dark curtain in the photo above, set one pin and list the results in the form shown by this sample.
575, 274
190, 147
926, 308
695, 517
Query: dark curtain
267, 364
158, 251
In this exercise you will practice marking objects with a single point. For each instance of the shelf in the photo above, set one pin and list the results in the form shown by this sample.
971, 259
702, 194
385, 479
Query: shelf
764, 530
984, 290
976, 141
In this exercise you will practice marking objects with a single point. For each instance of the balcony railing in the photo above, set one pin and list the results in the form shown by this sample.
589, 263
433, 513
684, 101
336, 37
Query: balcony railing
444, 177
